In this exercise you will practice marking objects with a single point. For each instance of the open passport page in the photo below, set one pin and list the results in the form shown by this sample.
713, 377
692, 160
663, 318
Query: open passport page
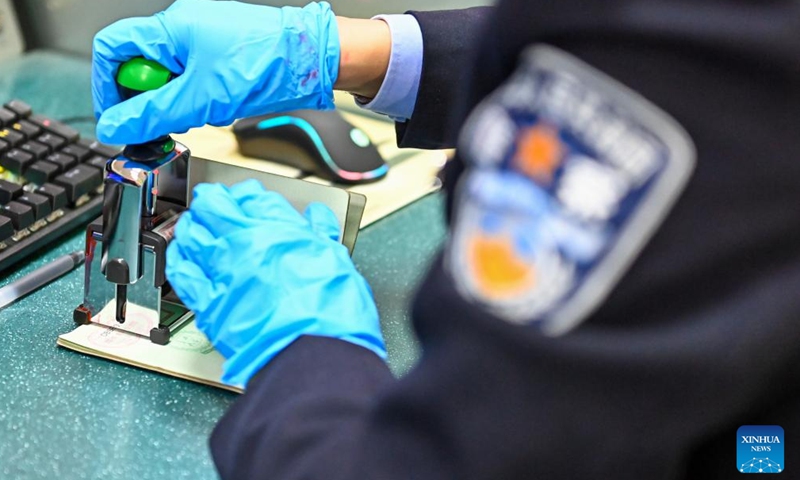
188, 355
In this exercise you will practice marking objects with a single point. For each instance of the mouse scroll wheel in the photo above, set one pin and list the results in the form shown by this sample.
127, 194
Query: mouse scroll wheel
360, 138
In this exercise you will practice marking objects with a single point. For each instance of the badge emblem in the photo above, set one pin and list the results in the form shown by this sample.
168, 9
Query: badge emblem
568, 175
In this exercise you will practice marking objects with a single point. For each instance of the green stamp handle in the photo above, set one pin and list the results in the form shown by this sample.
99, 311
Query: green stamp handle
136, 76
139, 75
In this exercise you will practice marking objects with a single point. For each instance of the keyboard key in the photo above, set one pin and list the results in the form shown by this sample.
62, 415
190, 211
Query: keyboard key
99, 148
52, 126
39, 203
7, 117
27, 128
16, 160
21, 215
79, 181
6, 228
51, 140
77, 151
41, 172
64, 162
12, 136
98, 161
9, 191
29, 191
19, 107
57, 195
36, 149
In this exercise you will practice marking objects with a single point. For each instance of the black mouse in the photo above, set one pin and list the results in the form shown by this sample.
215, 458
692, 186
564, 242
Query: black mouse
319, 142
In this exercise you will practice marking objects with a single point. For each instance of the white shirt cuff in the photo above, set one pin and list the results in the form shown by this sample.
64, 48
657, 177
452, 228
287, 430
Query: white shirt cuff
398, 93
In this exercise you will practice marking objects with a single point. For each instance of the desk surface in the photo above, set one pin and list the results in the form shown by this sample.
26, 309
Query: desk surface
65, 415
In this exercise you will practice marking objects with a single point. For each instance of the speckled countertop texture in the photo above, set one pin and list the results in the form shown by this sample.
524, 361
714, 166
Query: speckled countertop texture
68, 416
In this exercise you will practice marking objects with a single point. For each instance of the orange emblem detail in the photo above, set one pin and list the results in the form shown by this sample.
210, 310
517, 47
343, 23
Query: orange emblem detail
539, 152
499, 272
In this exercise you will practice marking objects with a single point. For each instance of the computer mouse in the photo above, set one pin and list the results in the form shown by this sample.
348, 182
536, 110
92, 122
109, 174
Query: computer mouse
322, 143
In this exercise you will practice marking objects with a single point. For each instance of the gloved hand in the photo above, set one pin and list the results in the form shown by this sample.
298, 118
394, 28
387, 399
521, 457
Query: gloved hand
258, 275
234, 60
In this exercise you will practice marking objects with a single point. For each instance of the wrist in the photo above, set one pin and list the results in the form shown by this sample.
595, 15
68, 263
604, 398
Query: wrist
365, 49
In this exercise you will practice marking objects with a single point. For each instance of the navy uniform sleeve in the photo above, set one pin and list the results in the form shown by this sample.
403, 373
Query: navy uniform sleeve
490, 400
447, 49
303, 415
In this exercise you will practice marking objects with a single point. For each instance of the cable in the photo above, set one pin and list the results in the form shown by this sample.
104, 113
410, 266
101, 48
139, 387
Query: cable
78, 119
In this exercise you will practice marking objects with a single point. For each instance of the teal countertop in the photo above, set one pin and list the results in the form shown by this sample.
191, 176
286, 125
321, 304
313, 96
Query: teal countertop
69, 416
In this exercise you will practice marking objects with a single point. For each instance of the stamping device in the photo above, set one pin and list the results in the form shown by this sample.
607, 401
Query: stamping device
144, 195
146, 189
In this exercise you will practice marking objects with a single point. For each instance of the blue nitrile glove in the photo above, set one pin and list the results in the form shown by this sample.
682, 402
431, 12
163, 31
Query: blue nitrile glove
258, 275
234, 60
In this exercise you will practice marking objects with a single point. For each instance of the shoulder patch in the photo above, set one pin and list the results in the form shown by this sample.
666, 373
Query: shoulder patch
568, 175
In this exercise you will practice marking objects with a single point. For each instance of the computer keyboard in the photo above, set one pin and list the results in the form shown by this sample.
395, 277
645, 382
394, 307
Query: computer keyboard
51, 181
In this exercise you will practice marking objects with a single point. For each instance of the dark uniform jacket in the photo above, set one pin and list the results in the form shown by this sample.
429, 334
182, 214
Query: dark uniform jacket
699, 337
